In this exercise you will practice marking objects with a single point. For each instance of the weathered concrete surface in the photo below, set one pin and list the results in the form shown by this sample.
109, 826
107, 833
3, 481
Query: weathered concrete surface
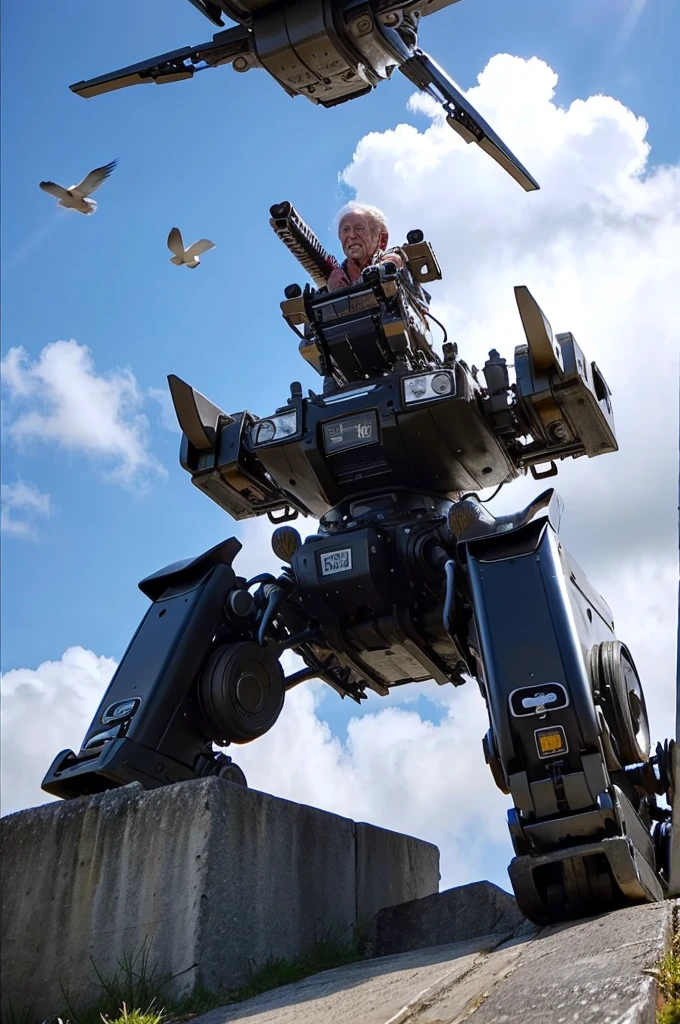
392, 868
451, 916
674, 881
591, 972
214, 878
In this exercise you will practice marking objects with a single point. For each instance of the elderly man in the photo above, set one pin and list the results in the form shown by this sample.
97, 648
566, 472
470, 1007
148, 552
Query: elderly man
363, 235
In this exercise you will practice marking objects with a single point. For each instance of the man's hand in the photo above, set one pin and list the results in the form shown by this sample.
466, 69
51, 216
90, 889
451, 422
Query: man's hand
338, 279
392, 257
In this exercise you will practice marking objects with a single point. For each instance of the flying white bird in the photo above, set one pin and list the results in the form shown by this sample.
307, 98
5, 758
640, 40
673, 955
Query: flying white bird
75, 196
187, 257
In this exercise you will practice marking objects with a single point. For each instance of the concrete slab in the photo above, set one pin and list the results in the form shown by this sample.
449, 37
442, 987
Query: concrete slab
207, 878
454, 915
369, 992
392, 868
674, 881
590, 972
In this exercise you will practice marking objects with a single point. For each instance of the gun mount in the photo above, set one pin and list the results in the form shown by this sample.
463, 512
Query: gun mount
327, 52
408, 578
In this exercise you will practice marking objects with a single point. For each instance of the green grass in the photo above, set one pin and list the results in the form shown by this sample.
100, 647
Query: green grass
136, 994
134, 1017
667, 975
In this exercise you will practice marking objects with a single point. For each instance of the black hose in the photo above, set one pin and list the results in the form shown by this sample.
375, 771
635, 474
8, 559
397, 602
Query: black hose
492, 496
440, 324
299, 677
482, 501
264, 577
274, 601
450, 571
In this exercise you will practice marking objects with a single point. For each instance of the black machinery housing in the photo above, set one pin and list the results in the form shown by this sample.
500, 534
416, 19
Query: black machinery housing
408, 578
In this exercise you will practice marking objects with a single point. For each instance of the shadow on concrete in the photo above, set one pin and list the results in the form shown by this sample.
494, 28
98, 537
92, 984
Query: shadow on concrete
342, 979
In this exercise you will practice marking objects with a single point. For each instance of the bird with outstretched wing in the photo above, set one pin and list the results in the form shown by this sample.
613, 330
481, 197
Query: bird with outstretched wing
75, 197
187, 257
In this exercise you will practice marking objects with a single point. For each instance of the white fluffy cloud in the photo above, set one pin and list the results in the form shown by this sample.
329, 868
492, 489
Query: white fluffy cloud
595, 246
61, 398
22, 504
394, 770
45, 710
167, 417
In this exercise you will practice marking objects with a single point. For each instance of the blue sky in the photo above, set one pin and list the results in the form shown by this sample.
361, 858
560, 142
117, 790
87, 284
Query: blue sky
210, 156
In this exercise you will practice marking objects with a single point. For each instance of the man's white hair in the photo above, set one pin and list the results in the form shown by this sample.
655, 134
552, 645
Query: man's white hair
372, 212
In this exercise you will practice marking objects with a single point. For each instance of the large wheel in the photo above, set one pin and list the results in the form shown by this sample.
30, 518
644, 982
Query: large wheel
232, 773
240, 692
623, 701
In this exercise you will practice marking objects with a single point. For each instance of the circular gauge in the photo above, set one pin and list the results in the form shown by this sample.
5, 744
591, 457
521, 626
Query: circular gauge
265, 431
441, 384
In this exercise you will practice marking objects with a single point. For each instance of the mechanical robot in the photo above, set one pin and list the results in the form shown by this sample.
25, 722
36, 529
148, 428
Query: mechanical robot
329, 51
408, 578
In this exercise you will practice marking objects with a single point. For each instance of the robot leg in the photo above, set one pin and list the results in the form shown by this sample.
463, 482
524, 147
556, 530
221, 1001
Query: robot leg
569, 738
191, 676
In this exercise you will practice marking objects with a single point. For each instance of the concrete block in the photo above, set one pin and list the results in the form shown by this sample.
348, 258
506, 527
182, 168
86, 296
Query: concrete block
392, 868
209, 878
674, 880
454, 915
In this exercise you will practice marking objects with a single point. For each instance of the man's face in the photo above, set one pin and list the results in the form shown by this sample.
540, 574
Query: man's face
360, 238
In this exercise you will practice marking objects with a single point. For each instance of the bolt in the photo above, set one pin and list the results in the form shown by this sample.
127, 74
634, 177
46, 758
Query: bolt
240, 64
364, 25
391, 19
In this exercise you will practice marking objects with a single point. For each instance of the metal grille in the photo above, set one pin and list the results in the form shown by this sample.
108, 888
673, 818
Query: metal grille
358, 463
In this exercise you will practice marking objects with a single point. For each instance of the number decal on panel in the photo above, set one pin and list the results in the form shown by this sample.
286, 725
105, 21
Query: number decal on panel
336, 561
551, 741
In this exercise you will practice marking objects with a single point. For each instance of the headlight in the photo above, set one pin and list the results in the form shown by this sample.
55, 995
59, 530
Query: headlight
275, 428
427, 386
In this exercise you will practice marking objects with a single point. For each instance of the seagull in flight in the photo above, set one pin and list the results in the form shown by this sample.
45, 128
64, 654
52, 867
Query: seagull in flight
187, 257
75, 196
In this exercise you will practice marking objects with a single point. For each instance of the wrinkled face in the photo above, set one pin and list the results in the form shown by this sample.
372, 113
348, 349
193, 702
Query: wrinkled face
360, 238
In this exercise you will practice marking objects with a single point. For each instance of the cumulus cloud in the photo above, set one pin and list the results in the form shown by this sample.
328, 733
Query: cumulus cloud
595, 246
22, 504
395, 770
45, 710
167, 417
60, 397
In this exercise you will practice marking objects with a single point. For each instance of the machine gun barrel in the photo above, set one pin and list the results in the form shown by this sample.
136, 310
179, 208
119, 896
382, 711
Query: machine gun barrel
302, 242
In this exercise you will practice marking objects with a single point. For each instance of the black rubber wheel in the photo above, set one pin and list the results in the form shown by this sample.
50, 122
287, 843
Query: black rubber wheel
240, 692
623, 702
232, 773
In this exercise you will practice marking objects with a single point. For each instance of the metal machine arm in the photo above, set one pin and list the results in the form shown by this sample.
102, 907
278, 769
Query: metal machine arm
175, 66
426, 74
329, 53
